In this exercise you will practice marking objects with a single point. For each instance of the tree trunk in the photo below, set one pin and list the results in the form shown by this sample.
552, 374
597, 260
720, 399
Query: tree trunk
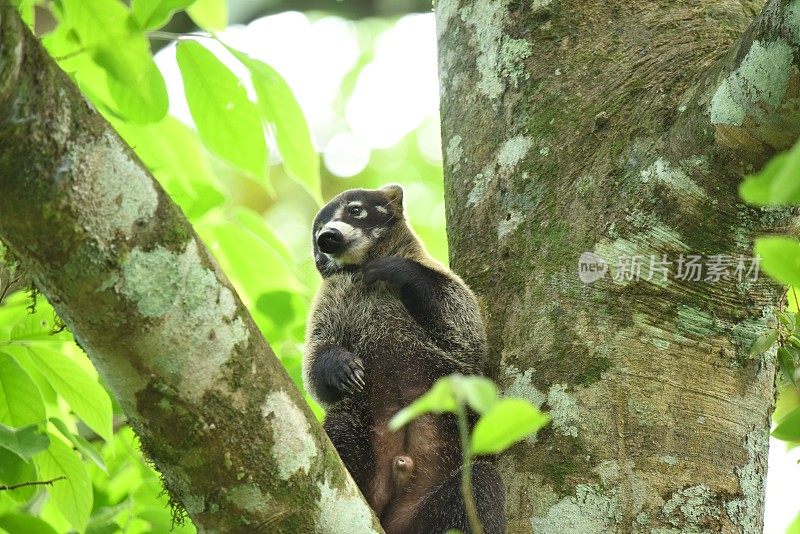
622, 129
234, 440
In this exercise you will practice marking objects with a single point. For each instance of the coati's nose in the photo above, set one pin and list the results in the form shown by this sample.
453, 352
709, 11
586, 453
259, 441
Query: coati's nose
330, 241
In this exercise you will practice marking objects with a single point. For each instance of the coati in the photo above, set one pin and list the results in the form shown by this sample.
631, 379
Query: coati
387, 322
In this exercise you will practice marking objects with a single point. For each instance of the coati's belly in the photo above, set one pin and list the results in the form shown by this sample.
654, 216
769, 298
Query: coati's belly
395, 349
392, 345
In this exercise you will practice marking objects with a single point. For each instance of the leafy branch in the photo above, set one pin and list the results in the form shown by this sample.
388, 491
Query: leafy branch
502, 422
777, 185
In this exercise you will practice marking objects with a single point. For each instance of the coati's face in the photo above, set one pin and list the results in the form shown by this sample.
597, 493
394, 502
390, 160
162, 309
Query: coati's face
351, 227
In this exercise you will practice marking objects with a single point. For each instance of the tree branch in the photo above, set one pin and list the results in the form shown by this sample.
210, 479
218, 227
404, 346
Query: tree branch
4, 487
214, 409
748, 106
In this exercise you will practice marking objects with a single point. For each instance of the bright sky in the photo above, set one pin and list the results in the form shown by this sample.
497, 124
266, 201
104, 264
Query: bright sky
396, 93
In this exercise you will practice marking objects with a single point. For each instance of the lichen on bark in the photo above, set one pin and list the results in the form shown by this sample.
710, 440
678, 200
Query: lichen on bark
626, 153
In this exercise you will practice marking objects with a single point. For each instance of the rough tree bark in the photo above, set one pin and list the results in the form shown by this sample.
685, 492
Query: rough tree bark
235, 442
621, 128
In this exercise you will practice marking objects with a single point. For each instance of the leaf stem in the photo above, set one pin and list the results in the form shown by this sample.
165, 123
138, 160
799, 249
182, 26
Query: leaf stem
466, 472
4, 487
170, 36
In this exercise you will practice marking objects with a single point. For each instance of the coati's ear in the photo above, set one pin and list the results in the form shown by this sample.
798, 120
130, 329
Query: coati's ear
394, 193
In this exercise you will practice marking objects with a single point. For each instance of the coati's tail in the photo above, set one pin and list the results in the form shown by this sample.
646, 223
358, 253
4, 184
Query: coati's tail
444, 508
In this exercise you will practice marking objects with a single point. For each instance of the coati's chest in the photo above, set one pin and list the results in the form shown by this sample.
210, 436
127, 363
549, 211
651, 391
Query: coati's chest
374, 324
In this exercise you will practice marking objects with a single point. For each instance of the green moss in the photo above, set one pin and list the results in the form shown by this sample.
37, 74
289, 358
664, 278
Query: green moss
565, 462
594, 370
743, 335
696, 323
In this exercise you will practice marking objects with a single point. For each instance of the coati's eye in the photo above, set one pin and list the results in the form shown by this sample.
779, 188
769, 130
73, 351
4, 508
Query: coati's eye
355, 211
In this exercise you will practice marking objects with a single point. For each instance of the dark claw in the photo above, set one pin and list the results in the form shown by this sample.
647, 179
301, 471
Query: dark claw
347, 373
341, 381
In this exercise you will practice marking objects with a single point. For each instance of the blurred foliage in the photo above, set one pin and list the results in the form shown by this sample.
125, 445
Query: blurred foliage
246, 174
501, 423
777, 185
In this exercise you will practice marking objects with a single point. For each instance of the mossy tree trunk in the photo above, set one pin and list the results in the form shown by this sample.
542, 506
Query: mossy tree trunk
621, 129
234, 440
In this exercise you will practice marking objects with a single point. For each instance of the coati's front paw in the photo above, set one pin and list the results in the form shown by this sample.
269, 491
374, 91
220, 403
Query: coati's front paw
391, 269
346, 373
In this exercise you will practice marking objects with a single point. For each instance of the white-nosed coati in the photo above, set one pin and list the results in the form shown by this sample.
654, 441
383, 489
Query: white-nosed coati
387, 322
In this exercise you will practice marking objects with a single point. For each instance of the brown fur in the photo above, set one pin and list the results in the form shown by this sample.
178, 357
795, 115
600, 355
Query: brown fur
401, 360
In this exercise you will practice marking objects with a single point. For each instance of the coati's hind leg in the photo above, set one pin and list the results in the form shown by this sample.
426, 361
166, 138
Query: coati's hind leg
347, 424
443, 508
387, 447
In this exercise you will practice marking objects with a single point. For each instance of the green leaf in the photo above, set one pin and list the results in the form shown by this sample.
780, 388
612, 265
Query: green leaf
113, 40
787, 358
152, 14
177, 158
763, 342
87, 398
73, 496
24, 442
278, 306
785, 188
780, 258
788, 428
787, 319
129, 81
507, 422
20, 401
756, 189
257, 225
777, 183
209, 14
14, 470
794, 528
86, 449
143, 101
227, 120
478, 392
126, 58
439, 399
281, 111
245, 247
25, 523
